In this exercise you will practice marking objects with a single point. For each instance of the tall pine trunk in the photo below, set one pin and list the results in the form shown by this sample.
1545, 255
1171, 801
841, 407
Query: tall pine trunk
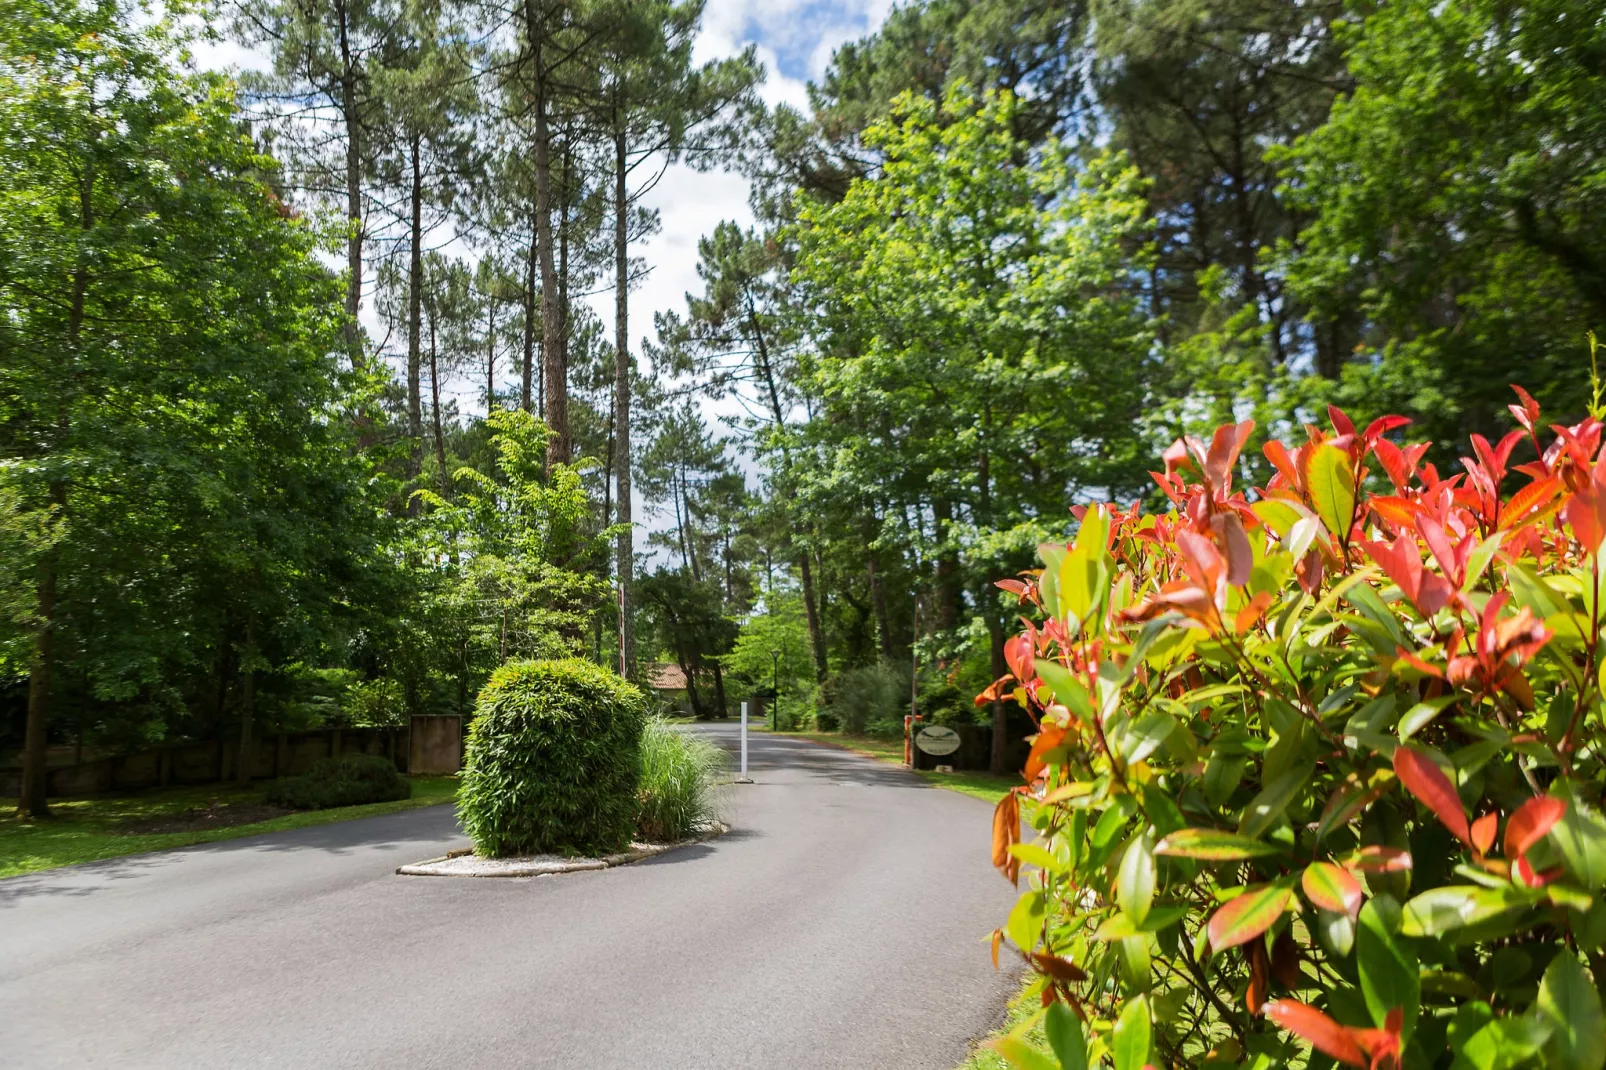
528, 370
553, 380
415, 304
811, 611
625, 552
435, 408
352, 123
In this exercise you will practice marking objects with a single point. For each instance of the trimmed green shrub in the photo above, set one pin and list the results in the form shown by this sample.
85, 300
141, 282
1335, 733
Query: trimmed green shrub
347, 780
864, 696
679, 773
553, 760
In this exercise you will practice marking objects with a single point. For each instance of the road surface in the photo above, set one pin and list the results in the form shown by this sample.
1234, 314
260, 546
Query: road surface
839, 924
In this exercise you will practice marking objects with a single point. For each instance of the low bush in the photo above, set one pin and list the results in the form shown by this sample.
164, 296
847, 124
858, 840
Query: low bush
680, 773
863, 696
553, 760
347, 780
1320, 766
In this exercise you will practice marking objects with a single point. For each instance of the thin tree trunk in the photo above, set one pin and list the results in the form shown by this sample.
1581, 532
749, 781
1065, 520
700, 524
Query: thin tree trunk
415, 304
719, 691
623, 366
822, 668
553, 380
353, 125
878, 603
490, 355
529, 321
435, 408
248, 707
948, 592
811, 612
33, 799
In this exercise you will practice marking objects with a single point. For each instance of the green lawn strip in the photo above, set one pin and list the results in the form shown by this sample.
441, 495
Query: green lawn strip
87, 830
1022, 1006
979, 785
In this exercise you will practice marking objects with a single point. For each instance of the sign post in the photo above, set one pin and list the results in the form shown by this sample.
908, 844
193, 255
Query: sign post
744, 778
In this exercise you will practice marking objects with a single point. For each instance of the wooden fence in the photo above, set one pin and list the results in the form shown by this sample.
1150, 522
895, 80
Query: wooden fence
428, 745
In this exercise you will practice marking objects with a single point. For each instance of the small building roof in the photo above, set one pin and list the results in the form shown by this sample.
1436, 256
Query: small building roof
664, 676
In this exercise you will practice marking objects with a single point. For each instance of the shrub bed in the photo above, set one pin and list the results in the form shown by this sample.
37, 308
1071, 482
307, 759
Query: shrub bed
553, 760
347, 780
1320, 766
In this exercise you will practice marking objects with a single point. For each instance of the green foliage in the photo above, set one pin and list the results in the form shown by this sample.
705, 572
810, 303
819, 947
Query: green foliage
347, 780
874, 695
679, 777
1454, 198
553, 760
1307, 757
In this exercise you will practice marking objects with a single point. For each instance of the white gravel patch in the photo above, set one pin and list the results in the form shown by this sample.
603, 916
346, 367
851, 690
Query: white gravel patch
465, 863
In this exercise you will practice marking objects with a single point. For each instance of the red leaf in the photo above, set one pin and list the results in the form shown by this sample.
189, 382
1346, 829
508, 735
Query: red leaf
1006, 832
1529, 502
1259, 976
1529, 824
1062, 970
1483, 831
1320, 1031
1380, 859
1433, 789
1047, 739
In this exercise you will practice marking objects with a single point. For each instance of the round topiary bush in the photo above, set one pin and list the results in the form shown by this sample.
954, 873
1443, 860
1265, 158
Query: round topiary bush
553, 760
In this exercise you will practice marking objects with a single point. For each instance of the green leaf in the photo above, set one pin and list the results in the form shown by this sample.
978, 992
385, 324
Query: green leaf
1388, 971
1581, 837
1064, 1031
1019, 1053
1025, 922
1500, 1044
1143, 737
1419, 716
1213, 845
1131, 1037
1571, 1003
1066, 687
1035, 854
1456, 906
1264, 809
1332, 488
1134, 884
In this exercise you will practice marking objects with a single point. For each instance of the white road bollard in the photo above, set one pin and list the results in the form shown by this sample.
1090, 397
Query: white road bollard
744, 778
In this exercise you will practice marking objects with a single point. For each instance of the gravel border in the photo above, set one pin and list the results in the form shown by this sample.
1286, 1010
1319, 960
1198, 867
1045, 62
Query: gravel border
465, 863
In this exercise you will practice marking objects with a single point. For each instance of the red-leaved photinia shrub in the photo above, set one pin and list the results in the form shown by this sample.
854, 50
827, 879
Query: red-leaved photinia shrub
1318, 765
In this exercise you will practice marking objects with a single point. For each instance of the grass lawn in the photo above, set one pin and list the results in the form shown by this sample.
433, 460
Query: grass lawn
981, 785
84, 830
1020, 1008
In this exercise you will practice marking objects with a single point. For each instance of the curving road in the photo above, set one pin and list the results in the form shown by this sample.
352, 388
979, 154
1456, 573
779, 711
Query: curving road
839, 924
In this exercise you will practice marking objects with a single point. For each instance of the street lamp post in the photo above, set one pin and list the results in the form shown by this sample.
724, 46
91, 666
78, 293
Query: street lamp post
775, 708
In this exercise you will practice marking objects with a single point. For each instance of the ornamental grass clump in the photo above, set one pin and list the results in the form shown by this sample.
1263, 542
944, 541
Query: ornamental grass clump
679, 793
1319, 764
553, 760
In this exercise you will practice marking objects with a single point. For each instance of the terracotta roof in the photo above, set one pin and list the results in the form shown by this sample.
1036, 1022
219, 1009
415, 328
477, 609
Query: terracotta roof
666, 677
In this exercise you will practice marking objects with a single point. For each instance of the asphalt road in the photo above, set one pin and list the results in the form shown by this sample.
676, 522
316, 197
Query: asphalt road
839, 924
